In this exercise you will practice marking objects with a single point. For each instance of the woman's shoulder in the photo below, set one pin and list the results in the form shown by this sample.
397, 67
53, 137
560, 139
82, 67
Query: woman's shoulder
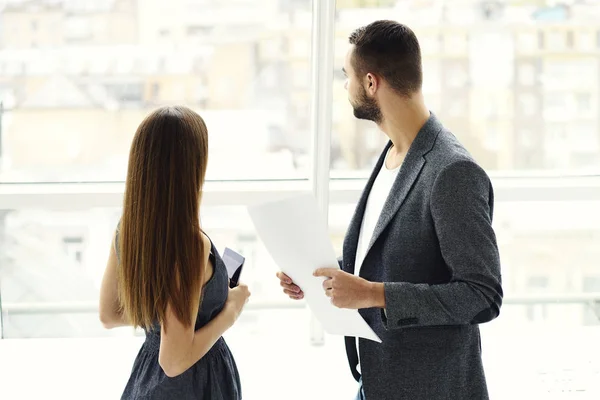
206, 245
207, 264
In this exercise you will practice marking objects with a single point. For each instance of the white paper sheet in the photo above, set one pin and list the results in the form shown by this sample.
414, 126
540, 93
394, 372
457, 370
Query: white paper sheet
295, 234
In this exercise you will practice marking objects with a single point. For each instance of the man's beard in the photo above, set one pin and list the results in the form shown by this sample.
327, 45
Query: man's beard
367, 108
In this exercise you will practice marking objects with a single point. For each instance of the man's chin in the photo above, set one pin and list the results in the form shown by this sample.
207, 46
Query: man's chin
360, 115
357, 113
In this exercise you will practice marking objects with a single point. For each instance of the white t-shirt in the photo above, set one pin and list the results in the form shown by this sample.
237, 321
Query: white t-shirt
375, 202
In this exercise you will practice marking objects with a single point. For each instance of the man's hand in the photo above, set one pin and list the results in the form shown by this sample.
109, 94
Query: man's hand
289, 287
350, 291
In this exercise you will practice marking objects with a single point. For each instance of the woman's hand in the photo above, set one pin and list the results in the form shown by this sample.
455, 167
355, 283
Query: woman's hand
237, 299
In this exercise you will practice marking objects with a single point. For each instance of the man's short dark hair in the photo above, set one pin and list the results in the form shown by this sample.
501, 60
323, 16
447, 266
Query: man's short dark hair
390, 50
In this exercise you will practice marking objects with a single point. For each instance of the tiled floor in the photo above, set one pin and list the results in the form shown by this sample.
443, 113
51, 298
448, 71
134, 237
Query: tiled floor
276, 361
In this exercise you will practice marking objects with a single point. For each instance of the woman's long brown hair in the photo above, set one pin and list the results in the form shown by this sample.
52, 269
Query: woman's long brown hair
160, 242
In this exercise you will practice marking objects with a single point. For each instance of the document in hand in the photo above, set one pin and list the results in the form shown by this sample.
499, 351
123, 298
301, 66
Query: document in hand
295, 234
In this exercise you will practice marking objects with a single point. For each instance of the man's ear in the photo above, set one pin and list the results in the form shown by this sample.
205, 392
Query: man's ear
371, 83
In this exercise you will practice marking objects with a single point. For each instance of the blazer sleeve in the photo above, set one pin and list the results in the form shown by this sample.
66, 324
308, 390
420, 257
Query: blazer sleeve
461, 207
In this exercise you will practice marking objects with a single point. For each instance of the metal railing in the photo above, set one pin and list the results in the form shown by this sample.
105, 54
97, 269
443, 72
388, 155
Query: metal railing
88, 307
71, 307
91, 307
591, 300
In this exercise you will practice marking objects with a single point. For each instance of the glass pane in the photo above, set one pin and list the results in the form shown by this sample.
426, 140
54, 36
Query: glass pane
52, 259
76, 81
549, 250
51, 264
490, 72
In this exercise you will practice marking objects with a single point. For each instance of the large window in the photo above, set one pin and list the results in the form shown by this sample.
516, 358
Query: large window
521, 93
53, 261
76, 81
517, 81
480, 55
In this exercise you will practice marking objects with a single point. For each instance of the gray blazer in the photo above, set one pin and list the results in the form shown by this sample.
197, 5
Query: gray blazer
435, 249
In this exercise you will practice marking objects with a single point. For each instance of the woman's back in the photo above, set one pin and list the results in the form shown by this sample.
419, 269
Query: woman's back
213, 377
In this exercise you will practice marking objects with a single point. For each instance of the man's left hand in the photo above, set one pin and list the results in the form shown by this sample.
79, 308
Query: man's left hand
350, 291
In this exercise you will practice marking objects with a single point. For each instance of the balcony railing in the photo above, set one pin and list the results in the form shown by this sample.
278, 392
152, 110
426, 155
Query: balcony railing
591, 300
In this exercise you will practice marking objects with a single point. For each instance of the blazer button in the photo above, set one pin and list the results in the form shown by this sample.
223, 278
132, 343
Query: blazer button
348, 265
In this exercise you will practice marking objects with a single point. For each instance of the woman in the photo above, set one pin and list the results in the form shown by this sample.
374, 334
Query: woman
165, 275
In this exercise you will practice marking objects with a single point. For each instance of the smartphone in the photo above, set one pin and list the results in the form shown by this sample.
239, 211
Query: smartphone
234, 262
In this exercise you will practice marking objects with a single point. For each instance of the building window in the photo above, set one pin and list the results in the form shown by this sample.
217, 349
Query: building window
270, 48
556, 145
555, 103
126, 92
585, 137
556, 41
570, 40
583, 102
300, 77
526, 74
591, 315
526, 138
455, 43
73, 246
491, 137
526, 42
457, 108
585, 41
124, 65
299, 48
537, 312
198, 31
556, 133
527, 104
430, 44
77, 28
1, 120
155, 90
456, 76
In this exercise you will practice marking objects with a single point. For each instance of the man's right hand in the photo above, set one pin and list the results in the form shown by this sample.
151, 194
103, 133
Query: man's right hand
289, 287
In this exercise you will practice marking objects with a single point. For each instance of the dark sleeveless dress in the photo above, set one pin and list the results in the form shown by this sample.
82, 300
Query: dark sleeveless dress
213, 377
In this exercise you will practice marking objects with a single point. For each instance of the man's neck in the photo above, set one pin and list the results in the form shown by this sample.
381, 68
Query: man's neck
402, 121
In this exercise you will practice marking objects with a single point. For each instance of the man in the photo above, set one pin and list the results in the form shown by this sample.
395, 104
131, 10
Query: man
420, 260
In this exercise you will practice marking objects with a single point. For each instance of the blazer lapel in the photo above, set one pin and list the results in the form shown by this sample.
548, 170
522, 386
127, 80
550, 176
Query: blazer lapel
413, 163
408, 174
353, 232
